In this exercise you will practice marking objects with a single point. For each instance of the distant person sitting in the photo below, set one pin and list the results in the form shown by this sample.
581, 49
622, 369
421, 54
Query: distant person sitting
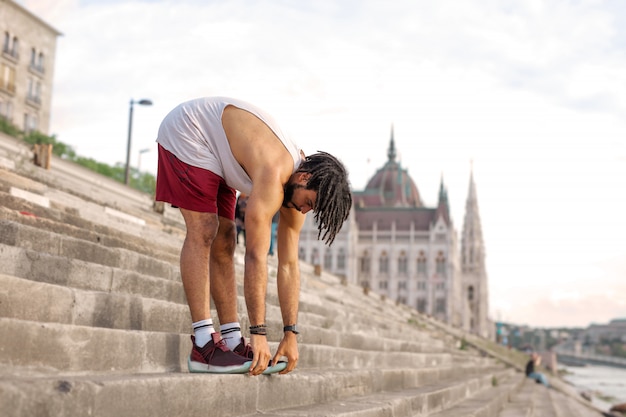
535, 361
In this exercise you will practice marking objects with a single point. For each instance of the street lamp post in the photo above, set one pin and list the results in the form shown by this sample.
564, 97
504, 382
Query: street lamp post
143, 102
141, 152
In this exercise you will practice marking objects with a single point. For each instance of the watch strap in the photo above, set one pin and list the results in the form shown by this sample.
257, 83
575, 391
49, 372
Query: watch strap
291, 328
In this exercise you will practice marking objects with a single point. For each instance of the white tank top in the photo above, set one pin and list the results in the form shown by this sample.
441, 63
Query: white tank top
193, 131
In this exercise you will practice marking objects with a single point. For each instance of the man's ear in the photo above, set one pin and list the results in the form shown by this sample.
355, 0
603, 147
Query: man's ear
304, 177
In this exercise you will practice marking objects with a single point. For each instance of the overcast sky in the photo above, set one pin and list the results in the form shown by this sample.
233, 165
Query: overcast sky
533, 92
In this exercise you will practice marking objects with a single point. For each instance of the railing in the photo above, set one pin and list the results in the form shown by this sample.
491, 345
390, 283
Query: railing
37, 69
11, 53
592, 358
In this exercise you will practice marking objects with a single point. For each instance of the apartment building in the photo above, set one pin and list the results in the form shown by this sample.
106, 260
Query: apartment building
26, 67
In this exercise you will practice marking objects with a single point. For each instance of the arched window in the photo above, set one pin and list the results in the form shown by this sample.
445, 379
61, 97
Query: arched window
383, 263
365, 263
328, 259
402, 264
441, 263
341, 259
421, 264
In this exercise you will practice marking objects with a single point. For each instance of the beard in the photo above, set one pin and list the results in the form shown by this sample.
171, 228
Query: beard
289, 188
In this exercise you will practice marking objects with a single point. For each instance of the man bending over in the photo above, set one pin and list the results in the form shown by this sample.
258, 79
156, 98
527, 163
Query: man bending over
208, 149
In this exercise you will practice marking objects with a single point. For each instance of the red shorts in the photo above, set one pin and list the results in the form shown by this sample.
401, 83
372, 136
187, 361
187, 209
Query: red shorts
193, 188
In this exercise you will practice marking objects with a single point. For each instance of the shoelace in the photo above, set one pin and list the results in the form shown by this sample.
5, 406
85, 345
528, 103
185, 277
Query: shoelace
211, 351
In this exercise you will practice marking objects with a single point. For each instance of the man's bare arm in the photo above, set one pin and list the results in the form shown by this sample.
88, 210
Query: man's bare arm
288, 281
263, 202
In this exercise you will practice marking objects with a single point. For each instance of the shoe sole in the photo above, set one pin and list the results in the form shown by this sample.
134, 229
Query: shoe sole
276, 368
203, 368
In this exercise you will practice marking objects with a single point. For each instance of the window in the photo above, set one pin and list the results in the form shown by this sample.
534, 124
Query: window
470, 293
402, 285
365, 263
421, 305
11, 46
7, 42
421, 285
383, 265
421, 264
341, 259
441, 264
6, 110
402, 264
440, 286
382, 285
7, 78
440, 305
302, 254
328, 259
315, 257
30, 122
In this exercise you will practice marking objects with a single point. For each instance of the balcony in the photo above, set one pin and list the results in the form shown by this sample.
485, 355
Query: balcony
11, 54
34, 101
37, 69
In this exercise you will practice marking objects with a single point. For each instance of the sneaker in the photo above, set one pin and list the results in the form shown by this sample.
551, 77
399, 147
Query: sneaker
216, 358
244, 350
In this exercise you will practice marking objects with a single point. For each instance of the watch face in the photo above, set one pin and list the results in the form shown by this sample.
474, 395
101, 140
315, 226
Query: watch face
291, 329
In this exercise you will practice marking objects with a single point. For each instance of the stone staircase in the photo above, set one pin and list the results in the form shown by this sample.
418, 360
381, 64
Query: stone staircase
93, 322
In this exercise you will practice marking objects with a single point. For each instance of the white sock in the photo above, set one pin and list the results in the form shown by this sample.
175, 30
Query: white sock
203, 330
231, 334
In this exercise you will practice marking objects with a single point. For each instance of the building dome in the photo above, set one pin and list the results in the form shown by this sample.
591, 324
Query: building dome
391, 186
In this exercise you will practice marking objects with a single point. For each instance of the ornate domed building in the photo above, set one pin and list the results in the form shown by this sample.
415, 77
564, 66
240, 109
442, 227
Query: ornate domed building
395, 246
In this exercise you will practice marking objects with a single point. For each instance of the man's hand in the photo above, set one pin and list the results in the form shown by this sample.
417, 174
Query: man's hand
261, 354
288, 347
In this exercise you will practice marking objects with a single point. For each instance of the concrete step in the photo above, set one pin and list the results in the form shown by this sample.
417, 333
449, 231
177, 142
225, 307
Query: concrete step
427, 399
487, 403
521, 403
44, 241
543, 405
68, 224
69, 261
24, 194
201, 395
71, 348
91, 294
565, 407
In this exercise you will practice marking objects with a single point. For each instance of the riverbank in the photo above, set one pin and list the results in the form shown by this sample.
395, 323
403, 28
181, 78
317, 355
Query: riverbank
606, 385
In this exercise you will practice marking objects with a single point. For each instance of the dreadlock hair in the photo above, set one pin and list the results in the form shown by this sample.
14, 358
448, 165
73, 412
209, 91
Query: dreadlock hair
329, 179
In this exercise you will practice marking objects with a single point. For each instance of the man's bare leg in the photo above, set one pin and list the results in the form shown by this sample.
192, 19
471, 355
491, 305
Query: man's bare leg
223, 283
194, 261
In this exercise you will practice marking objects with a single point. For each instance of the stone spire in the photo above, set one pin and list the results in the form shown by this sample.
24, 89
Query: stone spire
443, 206
475, 286
391, 152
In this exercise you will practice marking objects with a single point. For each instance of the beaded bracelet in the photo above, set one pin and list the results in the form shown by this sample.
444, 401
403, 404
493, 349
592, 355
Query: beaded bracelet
259, 329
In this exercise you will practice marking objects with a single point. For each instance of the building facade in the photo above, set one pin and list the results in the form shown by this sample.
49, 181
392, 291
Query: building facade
397, 247
26, 68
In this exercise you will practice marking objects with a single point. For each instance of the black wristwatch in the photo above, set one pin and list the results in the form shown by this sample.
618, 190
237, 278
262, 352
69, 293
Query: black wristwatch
291, 328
